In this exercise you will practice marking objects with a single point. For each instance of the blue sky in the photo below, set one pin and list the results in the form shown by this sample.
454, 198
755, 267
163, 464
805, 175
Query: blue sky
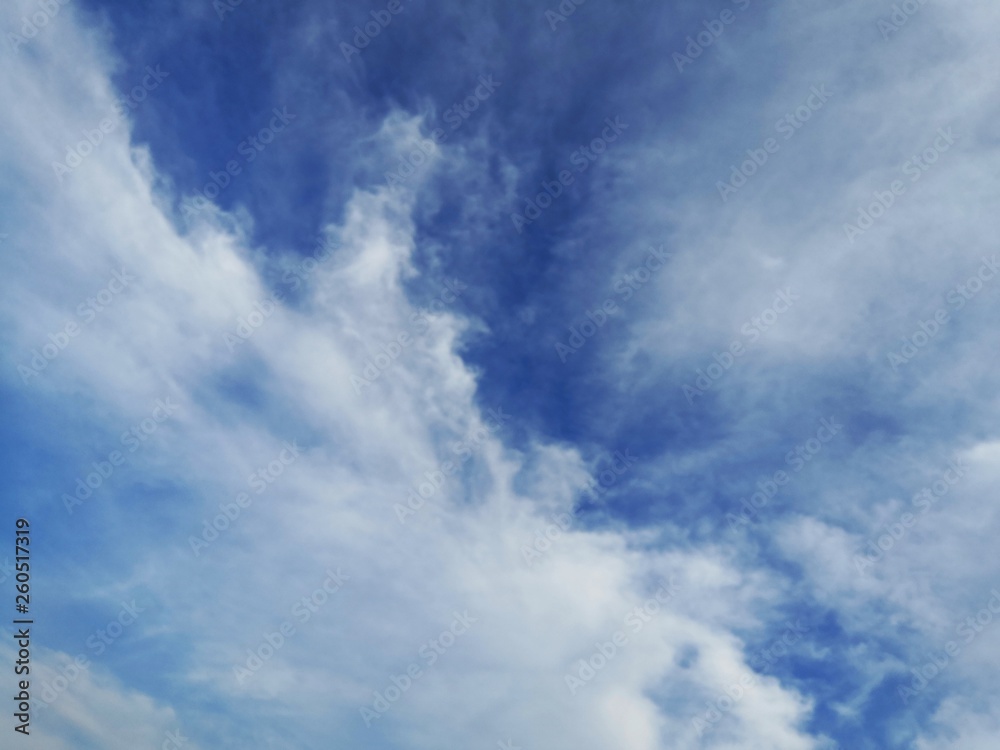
361, 399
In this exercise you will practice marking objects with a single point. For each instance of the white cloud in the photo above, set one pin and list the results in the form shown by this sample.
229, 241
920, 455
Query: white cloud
334, 505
